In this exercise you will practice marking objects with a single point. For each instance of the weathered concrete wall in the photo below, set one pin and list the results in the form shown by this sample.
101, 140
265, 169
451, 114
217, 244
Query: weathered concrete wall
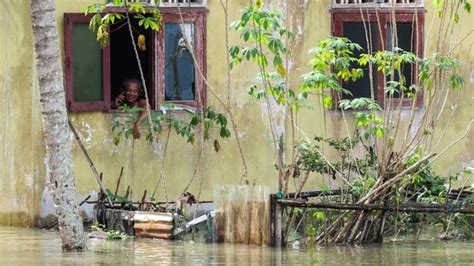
142, 164
22, 170
462, 154
21, 148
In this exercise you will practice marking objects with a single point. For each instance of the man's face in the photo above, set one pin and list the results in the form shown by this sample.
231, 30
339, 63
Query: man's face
132, 92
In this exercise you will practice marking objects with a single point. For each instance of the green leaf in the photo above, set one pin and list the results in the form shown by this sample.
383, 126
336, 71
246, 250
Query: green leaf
222, 120
467, 6
137, 7
234, 51
262, 60
456, 81
328, 101
207, 123
194, 120
224, 132
275, 45
468, 171
319, 216
277, 61
325, 188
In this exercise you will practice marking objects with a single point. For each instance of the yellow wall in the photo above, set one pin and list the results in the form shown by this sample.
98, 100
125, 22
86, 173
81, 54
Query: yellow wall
22, 172
21, 147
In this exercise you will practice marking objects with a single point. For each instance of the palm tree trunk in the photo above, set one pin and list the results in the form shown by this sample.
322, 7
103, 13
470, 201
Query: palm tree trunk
56, 132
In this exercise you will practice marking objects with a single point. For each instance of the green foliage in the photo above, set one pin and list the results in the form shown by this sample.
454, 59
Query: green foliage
117, 198
265, 38
335, 62
435, 64
439, 4
362, 185
369, 122
425, 184
460, 226
331, 62
315, 222
111, 234
146, 15
311, 159
211, 120
123, 122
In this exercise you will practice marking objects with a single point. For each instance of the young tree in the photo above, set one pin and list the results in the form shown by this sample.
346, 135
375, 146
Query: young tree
55, 124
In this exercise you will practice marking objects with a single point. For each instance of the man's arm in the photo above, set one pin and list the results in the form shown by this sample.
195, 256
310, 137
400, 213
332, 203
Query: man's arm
136, 126
118, 100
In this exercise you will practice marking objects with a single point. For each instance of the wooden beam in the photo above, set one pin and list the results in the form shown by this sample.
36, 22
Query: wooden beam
373, 207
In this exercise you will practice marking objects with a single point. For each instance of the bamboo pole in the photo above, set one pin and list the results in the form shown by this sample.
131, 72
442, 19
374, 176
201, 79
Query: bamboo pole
89, 160
378, 207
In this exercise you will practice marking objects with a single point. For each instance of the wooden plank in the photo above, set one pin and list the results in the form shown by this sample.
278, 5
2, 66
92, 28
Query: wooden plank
153, 235
317, 193
272, 219
369, 207
278, 225
153, 217
163, 226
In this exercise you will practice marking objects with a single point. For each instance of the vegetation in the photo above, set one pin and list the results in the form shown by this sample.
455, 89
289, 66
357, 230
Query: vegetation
382, 159
122, 124
383, 156
204, 122
111, 234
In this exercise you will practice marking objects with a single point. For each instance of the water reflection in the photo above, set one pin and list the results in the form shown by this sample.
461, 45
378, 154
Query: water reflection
28, 246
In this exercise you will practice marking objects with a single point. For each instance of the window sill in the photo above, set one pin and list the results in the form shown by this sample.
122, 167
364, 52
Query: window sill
176, 108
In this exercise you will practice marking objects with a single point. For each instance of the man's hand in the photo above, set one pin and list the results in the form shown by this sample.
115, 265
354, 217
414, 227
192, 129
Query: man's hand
119, 99
136, 131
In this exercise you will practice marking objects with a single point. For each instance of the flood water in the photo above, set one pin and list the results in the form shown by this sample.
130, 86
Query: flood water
36, 247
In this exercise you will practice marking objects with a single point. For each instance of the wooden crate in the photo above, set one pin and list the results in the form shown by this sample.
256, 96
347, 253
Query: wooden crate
153, 225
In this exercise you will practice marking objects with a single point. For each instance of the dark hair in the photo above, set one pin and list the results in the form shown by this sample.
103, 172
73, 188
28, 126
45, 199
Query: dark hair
129, 81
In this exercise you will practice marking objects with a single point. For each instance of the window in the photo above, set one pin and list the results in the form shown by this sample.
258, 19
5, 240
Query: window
349, 22
182, 2
379, 3
94, 76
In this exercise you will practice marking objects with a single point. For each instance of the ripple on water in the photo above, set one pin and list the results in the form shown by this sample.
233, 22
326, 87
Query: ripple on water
31, 246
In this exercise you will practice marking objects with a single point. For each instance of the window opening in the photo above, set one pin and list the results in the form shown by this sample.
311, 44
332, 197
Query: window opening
123, 63
355, 31
94, 77
349, 23
404, 41
379, 3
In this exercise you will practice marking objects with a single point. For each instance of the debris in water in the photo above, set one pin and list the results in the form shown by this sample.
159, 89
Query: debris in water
98, 235
446, 237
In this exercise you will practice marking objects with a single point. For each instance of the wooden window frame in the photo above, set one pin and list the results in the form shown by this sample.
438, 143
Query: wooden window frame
69, 20
382, 17
195, 15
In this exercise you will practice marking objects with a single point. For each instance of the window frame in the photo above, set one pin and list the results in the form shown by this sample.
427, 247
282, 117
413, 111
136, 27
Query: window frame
195, 15
198, 17
382, 17
69, 20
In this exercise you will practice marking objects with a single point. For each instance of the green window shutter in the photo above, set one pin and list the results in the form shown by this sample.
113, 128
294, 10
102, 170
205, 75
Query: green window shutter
87, 65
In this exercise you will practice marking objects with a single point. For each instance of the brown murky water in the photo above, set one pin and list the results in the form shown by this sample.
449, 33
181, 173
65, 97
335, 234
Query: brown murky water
35, 247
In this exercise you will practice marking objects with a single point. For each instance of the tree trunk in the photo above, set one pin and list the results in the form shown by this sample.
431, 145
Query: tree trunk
56, 132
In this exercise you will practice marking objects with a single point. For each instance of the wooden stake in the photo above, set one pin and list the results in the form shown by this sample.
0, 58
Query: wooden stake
89, 160
118, 183
142, 202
